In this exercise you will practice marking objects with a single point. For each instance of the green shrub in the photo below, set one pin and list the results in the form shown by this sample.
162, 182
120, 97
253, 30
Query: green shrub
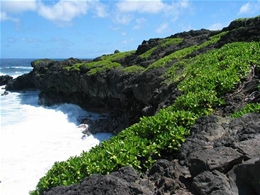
97, 67
207, 77
249, 108
162, 44
137, 146
182, 53
117, 56
134, 69
170, 41
106, 62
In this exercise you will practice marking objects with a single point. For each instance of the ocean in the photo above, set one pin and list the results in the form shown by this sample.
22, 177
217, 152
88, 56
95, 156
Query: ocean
33, 137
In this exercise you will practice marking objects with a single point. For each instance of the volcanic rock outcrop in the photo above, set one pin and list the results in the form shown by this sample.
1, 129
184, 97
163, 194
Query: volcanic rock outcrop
221, 156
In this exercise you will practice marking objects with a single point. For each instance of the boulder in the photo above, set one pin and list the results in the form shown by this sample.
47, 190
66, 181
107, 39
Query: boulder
124, 181
219, 158
22, 82
4, 79
247, 177
213, 183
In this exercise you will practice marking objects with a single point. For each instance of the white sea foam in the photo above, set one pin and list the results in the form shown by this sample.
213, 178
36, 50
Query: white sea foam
34, 137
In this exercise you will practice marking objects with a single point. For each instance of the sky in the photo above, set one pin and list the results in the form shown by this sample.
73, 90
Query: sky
91, 28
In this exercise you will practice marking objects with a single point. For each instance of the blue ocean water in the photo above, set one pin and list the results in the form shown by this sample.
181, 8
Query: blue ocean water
15, 67
33, 137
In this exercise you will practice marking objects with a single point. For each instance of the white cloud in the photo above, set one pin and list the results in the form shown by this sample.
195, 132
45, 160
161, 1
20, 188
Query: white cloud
171, 9
5, 17
131, 40
250, 8
184, 4
62, 11
144, 6
245, 8
29, 40
99, 9
122, 18
162, 28
8, 8
216, 26
140, 23
18, 6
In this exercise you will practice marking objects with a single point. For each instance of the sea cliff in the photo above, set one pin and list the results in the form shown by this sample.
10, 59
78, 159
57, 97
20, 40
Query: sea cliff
184, 109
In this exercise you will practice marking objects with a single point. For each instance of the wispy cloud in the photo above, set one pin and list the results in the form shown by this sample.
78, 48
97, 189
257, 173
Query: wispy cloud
127, 41
5, 17
18, 6
100, 10
170, 9
216, 26
30, 40
140, 23
122, 18
10, 8
162, 28
151, 6
250, 8
144, 6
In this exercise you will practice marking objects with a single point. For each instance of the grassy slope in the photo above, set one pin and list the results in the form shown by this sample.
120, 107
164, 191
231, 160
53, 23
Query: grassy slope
203, 80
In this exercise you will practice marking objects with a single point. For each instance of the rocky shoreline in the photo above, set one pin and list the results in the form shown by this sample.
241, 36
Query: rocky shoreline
222, 154
220, 157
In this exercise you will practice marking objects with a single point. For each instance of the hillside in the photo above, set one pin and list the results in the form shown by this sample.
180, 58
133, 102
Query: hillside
183, 98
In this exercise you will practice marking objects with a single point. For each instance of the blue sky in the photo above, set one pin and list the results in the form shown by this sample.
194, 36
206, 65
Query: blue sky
90, 28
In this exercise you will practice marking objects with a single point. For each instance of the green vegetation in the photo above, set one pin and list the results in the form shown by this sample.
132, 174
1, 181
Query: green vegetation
184, 52
148, 53
75, 66
117, 56
202, 80
106, 62
170, 41
134, 69
207, 77
137, 146
37, 62
249, 108
162, 44
100, 66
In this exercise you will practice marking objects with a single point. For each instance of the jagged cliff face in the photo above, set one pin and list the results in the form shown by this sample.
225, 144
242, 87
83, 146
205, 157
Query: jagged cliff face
140, 92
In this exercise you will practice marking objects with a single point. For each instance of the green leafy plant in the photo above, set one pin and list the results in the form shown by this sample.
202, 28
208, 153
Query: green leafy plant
249, 108
134, 69
137, 146
182, 53
162, 44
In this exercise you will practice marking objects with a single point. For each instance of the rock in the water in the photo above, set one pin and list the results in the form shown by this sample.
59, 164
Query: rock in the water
21, 83
4, 79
